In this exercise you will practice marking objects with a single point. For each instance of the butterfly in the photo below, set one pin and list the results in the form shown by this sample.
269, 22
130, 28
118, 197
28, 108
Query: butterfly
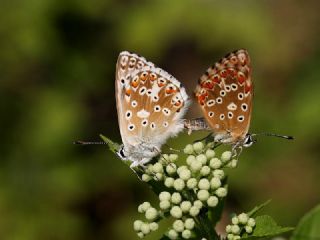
225, 94
150, 104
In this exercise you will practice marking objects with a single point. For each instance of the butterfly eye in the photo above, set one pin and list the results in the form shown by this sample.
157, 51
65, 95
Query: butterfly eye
128, 114
210, 103
222, 93
144, 122
234, 87
244, 107
134, 103
240, 96
131, 127
157, 108
219, 100
240, 118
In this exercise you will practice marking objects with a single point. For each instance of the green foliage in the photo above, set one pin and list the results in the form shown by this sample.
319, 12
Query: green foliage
308, 227
266, 227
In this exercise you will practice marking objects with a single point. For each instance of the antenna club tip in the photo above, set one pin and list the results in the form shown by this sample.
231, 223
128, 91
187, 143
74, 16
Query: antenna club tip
290, 137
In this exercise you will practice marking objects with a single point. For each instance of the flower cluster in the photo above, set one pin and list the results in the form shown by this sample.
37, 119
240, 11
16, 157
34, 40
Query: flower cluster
188, 189
241, 223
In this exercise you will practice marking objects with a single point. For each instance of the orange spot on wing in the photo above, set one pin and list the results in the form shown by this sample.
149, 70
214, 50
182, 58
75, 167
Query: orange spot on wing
247, 88
216, 79
128, 91
241, 77
207, 84
223, 73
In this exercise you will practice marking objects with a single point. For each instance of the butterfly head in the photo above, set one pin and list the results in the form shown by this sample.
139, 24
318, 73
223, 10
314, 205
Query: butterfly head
248, 140
121, 153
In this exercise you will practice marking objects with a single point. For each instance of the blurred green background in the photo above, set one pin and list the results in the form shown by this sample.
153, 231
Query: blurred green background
57, 67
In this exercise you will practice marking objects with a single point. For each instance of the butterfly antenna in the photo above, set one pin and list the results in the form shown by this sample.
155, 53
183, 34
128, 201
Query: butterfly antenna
274, 135
88, 143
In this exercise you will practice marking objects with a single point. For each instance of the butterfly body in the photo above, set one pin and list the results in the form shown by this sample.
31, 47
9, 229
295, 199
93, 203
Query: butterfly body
225, 94
150, 106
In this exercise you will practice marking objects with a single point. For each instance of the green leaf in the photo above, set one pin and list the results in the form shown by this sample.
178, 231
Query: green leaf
266, 227
113, 146
253, 212
308, 227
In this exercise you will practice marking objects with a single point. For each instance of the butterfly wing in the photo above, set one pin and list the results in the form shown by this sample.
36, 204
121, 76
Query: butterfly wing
225, 95
150, 102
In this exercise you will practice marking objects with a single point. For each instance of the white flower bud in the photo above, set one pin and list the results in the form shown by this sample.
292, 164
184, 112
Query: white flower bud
185, 174
248, 229
194, 211
149, 169
226, 156
140, 235
144, 207
192, 183
186, 234
236, 237
228, 228
251, 222
145, 229
178, 225
164, 205
173, 157
212, 201
233, 163
176, 198
189, 223
198, 147
235, 220
215, 163
172, 234
164, 196
204, 184
195, 166
215, 183
176, 212
137, 225
188, 149
230, 236
243, 218
181, 168
157, 168
210, 153
153, 226
185, 206
202, 158
198, 204
235, 229
190, 159
205, 171
151, 214
171, 168
165, 158
158, 177
203, 195
169, 182
145, 177
178, 184
218, 173
221, 192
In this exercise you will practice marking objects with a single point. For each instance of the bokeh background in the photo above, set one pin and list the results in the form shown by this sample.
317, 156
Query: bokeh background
57, 67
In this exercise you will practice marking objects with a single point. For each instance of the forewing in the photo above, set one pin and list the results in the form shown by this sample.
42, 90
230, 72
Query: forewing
150, 102
225, 95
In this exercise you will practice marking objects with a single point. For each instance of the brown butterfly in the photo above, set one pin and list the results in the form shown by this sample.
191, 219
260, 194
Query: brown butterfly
225, 94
